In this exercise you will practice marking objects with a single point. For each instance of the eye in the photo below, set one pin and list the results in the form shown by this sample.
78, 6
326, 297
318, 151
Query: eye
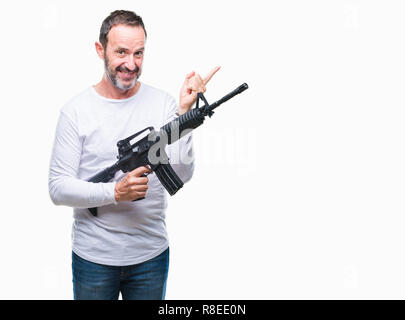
139, 53
121, 52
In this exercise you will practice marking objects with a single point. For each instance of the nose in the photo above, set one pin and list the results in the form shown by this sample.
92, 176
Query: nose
130, 63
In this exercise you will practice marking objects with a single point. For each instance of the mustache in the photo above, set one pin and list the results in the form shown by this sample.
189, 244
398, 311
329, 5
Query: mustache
125, 69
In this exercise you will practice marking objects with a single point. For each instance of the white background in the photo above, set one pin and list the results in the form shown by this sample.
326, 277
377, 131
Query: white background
299, 182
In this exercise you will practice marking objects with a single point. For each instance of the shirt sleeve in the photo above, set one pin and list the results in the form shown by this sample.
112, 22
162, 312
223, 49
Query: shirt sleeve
65, 188
181, 155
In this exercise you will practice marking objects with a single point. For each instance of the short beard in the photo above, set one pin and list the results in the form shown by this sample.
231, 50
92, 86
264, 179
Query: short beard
113, 77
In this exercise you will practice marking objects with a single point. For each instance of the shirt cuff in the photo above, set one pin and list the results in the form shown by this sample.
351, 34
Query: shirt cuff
112, 191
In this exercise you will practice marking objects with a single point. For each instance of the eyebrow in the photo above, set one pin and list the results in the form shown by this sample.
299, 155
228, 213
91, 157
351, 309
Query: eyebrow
126, 49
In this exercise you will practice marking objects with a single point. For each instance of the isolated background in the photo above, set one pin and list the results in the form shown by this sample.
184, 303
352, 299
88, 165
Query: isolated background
299, 182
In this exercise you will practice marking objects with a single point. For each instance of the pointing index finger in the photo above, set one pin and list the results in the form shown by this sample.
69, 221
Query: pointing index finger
210, 75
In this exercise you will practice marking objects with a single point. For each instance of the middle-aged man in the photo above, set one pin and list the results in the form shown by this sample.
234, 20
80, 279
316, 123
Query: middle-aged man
125, 247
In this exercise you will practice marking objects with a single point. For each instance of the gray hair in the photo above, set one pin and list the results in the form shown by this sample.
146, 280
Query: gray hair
119, 17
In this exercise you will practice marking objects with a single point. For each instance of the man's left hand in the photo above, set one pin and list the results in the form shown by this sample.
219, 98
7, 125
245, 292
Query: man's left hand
192, 85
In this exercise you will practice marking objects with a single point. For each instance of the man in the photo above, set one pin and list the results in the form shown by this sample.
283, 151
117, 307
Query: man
125, 248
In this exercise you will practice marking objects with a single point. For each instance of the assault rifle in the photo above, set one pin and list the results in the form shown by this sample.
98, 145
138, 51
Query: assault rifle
149, 150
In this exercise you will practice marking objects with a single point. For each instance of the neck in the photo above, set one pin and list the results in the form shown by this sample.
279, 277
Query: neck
106, 89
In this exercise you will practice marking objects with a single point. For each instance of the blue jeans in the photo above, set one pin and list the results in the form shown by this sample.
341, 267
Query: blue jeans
143, 281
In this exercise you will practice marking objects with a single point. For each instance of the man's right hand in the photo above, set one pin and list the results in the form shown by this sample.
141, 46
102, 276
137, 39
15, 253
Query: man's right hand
133, 186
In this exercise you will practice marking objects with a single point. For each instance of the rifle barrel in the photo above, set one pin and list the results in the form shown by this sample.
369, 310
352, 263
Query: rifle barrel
230, 95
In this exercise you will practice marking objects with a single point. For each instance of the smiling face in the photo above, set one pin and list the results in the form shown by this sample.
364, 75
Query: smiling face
123, 55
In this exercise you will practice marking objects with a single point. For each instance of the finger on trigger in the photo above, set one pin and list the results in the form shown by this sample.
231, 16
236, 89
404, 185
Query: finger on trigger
140, 171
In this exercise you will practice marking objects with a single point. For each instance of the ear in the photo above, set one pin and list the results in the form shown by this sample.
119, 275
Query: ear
99, 50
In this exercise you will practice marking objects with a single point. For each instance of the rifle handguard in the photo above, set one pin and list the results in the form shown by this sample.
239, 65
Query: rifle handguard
190, 120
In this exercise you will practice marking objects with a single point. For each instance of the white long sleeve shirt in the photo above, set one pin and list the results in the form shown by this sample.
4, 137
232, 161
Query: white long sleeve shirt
88, 129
